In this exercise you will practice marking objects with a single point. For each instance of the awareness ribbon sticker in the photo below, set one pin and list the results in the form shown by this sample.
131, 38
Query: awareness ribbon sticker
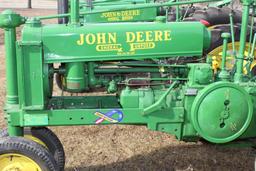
109, 116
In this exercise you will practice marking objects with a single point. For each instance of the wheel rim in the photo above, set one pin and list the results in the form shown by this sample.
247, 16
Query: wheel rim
17, 162
35, 139
216, 55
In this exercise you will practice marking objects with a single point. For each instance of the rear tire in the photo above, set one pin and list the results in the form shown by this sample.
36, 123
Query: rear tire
215, 50
216, 32
215, 16
183, 12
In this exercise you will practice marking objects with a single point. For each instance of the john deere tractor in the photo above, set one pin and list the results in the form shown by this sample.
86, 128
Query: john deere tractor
190, 77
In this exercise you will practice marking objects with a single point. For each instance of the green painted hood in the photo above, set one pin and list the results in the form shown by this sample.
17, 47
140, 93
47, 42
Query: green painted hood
119, 41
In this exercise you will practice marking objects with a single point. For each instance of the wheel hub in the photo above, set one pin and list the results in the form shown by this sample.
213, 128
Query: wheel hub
17, 162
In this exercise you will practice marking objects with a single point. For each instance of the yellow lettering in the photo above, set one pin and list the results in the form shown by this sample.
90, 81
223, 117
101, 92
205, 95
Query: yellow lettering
145, 45
90, 39
111, 37
137, 40
139, 36
149, 37
101, 37
130, 37
158, 36
167, 35
81, 40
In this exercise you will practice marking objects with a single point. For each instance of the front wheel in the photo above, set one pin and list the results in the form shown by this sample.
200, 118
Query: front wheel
47, 139
17, 153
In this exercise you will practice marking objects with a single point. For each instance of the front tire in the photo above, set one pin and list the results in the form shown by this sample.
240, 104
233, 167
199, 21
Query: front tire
17, 153
47, 139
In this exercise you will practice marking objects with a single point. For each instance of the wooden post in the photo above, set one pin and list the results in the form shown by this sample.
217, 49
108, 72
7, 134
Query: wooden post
29, 4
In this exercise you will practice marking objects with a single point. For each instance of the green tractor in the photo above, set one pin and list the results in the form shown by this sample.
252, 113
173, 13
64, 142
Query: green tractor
161, 74
119, 11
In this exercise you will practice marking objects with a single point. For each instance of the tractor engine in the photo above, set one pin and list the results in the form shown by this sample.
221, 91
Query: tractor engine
105, 55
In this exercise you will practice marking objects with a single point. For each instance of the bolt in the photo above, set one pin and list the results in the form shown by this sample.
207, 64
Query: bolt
225, 35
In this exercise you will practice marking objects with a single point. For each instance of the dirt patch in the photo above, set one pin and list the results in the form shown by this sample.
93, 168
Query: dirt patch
120, 147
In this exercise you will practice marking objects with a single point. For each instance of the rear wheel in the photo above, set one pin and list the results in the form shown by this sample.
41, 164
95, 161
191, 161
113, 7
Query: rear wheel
20, 154
214, 16
184, 12
215, 50
218, 21
47, 139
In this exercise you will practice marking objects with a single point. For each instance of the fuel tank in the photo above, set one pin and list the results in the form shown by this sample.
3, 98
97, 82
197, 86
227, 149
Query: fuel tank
118, 41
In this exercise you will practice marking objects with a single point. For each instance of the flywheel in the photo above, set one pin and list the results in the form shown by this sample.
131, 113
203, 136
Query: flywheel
222, 112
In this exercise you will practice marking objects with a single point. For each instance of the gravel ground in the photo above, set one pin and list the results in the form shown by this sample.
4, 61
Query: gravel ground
120, 147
